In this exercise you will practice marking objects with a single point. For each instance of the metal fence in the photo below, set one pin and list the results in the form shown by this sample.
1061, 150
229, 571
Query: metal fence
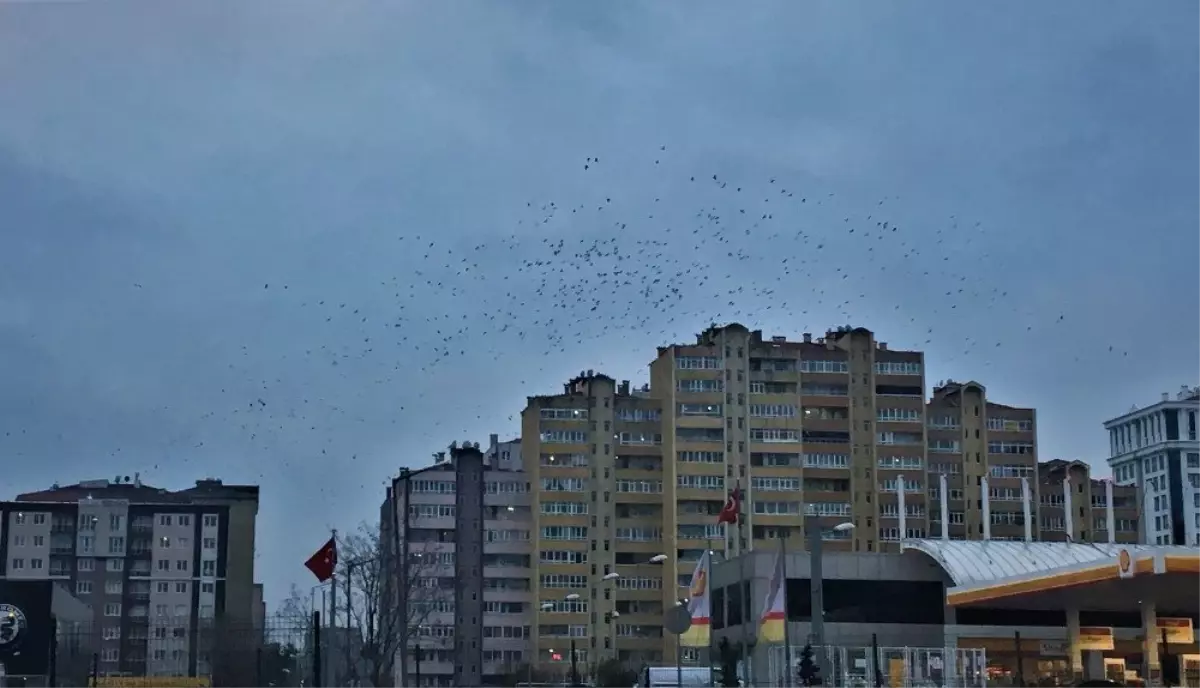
177, 652
895, 667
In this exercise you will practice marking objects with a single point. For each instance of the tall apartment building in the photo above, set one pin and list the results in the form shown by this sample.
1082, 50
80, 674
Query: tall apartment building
980, 445
595, 461
823, 428
463, 524
816, 433
159, 569
1156, 450
1084, 515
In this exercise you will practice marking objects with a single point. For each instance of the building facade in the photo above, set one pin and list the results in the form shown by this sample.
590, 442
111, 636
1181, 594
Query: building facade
1072, 506
463, 524
987, 451
627, 483
1156, 450
603, 503
815, 433
1011, 611
154, 566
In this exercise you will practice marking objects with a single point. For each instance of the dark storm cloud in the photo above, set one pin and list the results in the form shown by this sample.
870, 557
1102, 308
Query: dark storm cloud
305, 243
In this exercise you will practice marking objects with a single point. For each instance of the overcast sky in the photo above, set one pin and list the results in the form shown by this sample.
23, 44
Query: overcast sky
305, 243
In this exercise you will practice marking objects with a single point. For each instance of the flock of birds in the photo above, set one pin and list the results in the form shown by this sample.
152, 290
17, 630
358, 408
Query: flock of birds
648, 268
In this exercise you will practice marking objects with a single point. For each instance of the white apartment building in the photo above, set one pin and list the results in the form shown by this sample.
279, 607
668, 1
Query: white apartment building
151, 564
460, 554
1156, 449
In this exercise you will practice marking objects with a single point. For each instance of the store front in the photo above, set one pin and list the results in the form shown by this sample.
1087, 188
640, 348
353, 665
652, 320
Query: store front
1093, 611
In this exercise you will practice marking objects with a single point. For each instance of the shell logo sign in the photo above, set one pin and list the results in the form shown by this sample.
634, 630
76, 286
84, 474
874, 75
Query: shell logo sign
1124, 564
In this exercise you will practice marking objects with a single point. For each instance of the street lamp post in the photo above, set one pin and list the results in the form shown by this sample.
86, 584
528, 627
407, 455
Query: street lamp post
612, 617
574, 662
816, 554
679, 651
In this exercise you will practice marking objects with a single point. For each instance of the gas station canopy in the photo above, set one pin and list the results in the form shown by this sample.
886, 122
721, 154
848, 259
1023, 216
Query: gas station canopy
1053, 575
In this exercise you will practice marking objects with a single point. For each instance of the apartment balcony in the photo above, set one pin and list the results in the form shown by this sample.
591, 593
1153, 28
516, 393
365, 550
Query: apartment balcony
715, 421
505, 595
434, 522
62, 528
499, 571
639, 466
433, 668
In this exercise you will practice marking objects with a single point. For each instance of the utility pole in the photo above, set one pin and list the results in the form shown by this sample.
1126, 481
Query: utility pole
349, 601
817, 585
332, 620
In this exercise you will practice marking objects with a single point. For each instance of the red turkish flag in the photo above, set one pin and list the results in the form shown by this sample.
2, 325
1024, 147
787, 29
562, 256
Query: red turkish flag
733, 506
324, 562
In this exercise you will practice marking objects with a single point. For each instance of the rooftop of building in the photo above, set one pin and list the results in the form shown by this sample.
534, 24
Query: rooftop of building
1185, 395
1007, 574
1060, 466
132, 489
991, 570
711, 335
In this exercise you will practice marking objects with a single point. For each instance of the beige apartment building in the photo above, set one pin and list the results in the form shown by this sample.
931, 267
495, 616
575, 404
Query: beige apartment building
982, 447
1091, 519
817, 433
169, 575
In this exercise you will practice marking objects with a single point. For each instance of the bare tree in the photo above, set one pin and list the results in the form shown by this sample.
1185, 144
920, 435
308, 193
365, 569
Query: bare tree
385, 608
295, 610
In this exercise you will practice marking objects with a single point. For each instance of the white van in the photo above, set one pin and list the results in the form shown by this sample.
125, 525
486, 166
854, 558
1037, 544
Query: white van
692, 677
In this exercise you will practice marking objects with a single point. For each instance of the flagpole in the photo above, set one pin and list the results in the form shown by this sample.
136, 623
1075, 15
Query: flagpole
712, 554
726, 596
744, 593
787, 632
333, 588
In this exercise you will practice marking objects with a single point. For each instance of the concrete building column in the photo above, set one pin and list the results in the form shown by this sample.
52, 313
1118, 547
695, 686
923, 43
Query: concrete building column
1151, 666
1093, 666
1074, 649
